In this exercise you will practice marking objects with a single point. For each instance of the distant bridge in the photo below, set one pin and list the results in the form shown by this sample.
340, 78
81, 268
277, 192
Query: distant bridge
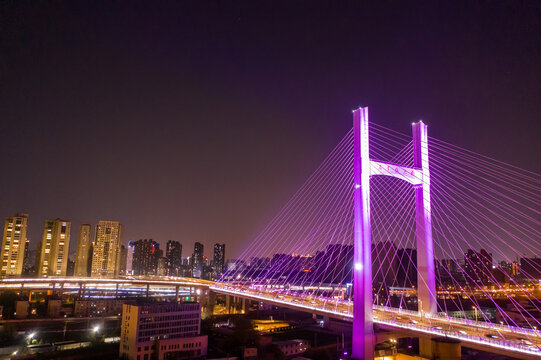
126, 286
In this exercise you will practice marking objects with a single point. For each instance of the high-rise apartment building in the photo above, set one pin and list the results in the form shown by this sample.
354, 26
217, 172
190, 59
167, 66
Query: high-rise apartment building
14, 244
478, 267
173, 253
26, 262
219, 260
90, 257
83, 251
145, 257
54, 247
123, 259
161, 268
106, 249
129, 258
197, 260
162, 331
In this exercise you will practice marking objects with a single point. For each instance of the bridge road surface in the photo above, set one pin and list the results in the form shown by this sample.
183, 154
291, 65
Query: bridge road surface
505, 340
510, 341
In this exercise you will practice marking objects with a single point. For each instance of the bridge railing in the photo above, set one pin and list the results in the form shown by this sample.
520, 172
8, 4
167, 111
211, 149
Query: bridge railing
465, 322
501, 343
345, 308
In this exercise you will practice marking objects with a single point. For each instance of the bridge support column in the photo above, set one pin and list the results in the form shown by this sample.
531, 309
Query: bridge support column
176, 293
228, 304
208, 309
426, 280
425, 347
148, 290
439, 348
363, 329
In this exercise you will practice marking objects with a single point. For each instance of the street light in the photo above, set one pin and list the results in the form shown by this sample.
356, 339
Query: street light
473, 307
31, 335
96, 328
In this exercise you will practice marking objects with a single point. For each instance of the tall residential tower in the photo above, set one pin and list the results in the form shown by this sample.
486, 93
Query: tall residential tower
173, 253
145, 257
106, 250
219, 260
52, 258
197, 260
13, 245
83, 251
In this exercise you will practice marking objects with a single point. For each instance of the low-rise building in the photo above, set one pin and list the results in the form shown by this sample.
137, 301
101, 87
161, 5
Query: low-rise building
162, 330
293, 347
98, 307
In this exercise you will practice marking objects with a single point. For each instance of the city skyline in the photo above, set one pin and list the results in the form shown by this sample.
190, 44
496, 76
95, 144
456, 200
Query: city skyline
146, 259
149, 125
73, 246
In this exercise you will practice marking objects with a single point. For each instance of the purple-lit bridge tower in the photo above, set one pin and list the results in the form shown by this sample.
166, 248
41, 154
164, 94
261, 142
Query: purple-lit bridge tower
419, 177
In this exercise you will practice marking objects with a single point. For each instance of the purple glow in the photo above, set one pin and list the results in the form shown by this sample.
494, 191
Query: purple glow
363, 329
426, 294
450, 204
419, 177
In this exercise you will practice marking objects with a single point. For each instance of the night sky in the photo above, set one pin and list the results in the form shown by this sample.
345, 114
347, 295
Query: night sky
196, 121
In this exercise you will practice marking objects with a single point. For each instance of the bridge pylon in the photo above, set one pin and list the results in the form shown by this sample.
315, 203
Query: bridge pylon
419, 177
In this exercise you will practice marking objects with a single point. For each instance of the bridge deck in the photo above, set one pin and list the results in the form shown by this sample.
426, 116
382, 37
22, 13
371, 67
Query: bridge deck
505, 339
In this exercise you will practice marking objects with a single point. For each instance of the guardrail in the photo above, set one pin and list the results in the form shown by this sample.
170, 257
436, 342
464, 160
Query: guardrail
465, 322
503, 344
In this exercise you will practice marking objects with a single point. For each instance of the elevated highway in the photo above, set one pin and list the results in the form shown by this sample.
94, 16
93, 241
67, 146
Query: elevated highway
125, 286
500, 339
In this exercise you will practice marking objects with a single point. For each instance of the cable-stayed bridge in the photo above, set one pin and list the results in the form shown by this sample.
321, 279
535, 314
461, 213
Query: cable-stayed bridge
419, 232
416, 235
